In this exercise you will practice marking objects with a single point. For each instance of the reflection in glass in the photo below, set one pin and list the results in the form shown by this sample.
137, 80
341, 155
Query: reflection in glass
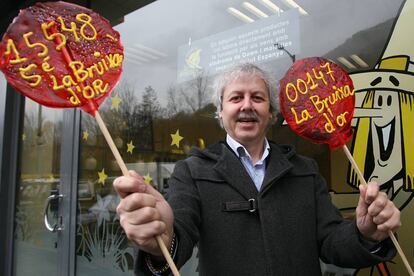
35, 250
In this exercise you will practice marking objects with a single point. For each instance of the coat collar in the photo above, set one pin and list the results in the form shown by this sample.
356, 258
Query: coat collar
230, 168
278, 164
234, 173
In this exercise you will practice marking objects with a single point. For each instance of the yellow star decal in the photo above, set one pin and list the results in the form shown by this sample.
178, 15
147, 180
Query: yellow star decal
85, 135
130, 147
24, 137
116, 101
102, 177
176, 138
147, 179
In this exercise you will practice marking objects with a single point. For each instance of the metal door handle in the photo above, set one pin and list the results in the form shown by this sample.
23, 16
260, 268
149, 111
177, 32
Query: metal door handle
49, 227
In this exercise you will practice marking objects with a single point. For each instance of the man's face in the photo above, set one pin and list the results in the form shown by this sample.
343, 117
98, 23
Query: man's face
246, 110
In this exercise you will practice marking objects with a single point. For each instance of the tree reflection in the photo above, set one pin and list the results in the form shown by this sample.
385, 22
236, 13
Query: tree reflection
189, 96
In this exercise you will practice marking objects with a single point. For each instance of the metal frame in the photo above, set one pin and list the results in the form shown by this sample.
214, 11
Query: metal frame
11, 116
69, 162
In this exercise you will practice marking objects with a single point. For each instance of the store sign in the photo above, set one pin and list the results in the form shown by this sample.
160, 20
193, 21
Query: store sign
252, 42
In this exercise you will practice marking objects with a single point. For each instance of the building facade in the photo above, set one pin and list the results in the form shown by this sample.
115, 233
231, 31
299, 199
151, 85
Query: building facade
57, 204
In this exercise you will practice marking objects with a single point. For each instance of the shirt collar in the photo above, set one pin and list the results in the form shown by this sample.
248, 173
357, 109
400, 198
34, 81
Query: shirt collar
241, 151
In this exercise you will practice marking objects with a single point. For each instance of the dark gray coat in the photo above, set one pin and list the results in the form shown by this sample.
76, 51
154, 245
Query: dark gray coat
293, 225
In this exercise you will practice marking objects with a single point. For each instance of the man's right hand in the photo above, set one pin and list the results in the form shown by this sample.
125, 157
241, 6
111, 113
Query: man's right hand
143, 213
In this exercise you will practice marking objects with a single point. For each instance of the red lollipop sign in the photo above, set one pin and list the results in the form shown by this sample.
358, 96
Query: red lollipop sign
317, 101
62, 55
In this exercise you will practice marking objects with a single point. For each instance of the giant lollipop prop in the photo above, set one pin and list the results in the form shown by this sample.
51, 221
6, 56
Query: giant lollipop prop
65, 56
317, 101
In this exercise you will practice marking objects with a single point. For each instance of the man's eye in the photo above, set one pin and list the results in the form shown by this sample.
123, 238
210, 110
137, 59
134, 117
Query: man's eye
258, 99
235, 99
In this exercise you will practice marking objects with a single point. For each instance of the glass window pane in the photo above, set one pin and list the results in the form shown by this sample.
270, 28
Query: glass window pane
35, 250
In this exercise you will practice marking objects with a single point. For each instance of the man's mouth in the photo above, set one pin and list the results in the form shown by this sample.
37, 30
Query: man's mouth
247, 118
386, 136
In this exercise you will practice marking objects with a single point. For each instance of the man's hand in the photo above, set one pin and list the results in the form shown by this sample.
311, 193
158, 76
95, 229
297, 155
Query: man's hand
375, 213
143, 213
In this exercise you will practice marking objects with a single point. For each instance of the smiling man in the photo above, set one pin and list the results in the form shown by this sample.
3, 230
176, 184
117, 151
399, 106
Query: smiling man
246, 113
253, 207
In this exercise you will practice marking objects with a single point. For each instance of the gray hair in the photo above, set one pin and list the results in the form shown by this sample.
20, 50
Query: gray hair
244, 70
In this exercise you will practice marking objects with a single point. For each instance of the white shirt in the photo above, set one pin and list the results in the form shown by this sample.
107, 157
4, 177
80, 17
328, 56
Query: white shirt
256, 171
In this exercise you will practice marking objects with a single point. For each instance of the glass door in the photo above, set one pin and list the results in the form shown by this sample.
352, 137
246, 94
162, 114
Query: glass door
35, 247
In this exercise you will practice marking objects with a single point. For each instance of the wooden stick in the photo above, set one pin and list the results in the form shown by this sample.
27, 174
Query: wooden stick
111, 144
168, 258
390, 233
125, 172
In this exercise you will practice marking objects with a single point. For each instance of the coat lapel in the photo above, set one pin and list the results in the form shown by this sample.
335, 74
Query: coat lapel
234, 173
277, 166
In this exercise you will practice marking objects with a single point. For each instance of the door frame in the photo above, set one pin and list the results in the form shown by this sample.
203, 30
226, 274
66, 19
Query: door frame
69, 163
11, 122
11, 116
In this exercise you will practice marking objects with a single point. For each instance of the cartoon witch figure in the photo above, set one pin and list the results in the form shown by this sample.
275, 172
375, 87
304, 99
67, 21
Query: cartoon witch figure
383, 144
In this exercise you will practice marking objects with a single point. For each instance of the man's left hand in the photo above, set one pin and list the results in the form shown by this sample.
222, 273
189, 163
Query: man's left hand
375, 213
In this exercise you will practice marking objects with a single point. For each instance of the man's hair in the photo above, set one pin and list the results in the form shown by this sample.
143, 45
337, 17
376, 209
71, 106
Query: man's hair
241, 71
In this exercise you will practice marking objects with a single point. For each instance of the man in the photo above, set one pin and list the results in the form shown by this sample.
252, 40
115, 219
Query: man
253, 207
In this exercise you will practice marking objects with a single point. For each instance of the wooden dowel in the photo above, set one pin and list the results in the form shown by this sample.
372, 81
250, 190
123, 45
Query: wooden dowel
390, 233
125, 172
167, 256
111, 144
400, 251
354, 164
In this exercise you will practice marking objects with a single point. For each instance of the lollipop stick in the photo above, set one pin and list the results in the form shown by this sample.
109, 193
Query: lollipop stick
120, 162
390, 233
111, 144
125, 172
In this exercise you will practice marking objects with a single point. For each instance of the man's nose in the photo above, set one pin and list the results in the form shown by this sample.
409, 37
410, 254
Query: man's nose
247, 104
